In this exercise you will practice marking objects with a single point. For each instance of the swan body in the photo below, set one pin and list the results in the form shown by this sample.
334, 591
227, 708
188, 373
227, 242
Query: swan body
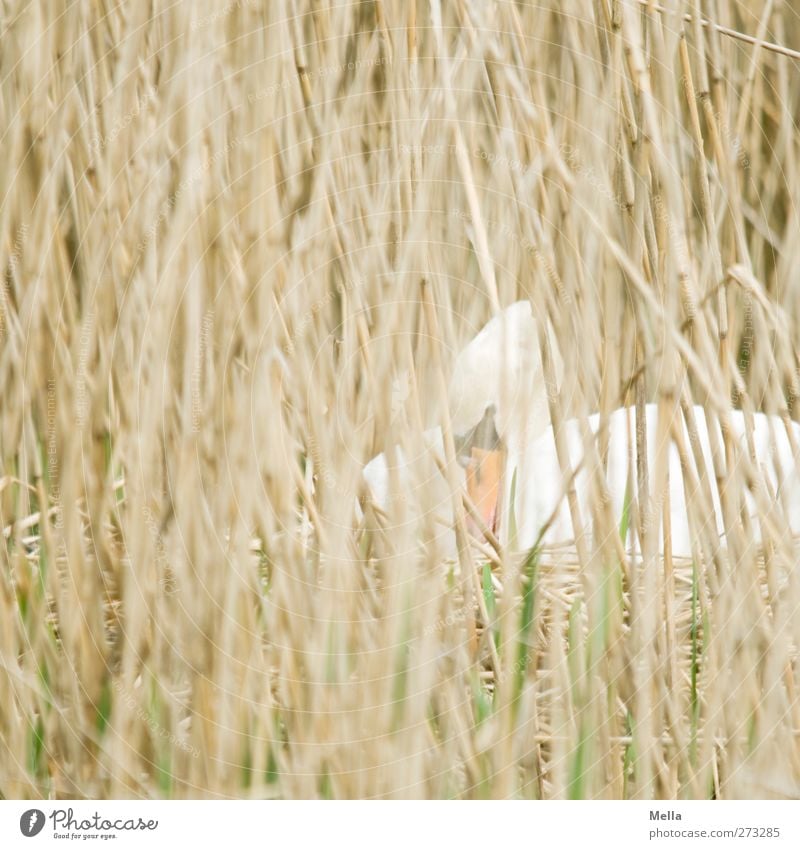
377, 472
539, 490
499, 376
395, 480
501, 368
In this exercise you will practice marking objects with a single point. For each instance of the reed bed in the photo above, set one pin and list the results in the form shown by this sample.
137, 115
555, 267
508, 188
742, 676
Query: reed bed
241, 245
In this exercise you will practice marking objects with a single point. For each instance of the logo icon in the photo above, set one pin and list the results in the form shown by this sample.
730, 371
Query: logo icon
31, 822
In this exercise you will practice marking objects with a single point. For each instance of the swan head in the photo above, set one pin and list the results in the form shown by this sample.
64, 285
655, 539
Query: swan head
498, 402
499, 375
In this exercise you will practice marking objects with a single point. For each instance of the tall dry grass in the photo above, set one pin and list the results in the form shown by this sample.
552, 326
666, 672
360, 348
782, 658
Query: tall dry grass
241, 244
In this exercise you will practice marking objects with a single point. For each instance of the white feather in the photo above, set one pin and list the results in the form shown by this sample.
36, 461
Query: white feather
501, 367
540, 483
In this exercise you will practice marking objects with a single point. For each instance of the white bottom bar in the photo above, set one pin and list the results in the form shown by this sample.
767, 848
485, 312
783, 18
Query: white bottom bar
405, 825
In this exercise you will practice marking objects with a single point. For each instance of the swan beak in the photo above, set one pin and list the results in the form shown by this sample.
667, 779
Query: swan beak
484, 474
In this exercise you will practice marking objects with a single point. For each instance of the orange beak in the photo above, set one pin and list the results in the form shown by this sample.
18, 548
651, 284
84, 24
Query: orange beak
484, 473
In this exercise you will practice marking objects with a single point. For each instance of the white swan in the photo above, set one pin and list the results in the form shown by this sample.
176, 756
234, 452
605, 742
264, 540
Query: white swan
539, 492
495, 386
498, 379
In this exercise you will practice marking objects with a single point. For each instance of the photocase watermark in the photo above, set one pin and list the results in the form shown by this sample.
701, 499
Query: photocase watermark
793, 390
325, 478
11, 269
31, 822
81, 404
455, 617
748, 333
52, 450
572, 156
98, 143
528, 246
493, 159
733, 140
222, 12
65, 824
156, 728
167, 581
318, 73
739, 152
169, 204
308, 316
206, 332
677, 243
516, 165
428, 149
323, 474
